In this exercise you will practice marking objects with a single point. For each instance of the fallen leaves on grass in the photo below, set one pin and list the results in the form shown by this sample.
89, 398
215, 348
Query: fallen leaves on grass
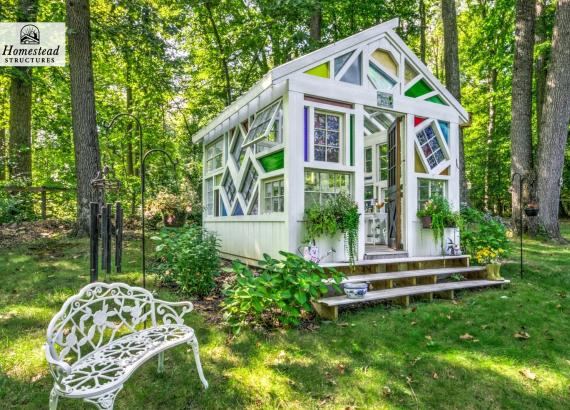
528, 374
522, 335
466, 336
386, 391
341, 368
435, 376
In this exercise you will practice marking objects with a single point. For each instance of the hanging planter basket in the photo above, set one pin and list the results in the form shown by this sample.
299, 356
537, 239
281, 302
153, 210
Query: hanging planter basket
531, 211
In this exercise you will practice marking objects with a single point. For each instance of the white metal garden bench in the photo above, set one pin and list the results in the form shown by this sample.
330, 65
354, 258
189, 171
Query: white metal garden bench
97, 340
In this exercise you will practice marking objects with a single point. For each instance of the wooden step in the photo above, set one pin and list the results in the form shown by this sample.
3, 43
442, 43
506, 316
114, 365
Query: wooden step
328, 307
376, 277
390, 261
379, 255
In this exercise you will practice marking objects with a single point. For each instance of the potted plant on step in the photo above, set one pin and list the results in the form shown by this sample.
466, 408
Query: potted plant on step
490, 258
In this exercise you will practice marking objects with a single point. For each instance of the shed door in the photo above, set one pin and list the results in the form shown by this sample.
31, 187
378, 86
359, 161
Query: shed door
393, 193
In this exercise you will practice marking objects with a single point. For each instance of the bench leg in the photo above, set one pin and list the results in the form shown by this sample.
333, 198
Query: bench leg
161, 362
196, 349
106, 401
53, 399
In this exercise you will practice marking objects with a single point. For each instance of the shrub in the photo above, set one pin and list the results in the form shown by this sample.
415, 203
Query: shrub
188, 258
15, 207
482, 231
280, 295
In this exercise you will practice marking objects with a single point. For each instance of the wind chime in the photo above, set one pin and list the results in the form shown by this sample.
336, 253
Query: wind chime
102, 227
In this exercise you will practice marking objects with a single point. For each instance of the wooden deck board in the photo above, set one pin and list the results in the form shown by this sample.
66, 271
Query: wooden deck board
411, 274
409, 291
394, 260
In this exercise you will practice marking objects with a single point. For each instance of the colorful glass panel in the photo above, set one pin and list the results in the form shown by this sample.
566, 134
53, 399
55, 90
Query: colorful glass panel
322, 70
418, 89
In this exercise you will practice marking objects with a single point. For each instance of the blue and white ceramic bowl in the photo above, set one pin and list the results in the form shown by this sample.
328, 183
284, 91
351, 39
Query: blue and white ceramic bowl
355, 290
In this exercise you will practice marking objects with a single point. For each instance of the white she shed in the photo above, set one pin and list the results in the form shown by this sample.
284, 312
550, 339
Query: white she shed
363, 115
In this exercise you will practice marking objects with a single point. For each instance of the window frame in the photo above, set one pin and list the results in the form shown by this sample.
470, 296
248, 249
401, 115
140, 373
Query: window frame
341, 137
442, 146
379, 159
269, 199
278, 107
210, 159
431, 181
321, 193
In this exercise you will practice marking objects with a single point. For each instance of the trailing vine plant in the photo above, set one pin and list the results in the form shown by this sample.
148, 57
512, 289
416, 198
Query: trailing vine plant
338, 214
439, 209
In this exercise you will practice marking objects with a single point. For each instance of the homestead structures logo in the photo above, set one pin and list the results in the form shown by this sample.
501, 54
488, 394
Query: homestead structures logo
22, 46
30, 34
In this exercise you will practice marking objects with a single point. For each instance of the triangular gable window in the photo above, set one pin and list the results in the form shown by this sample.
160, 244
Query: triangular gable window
386, 61
418, 89
379, 79
354, 73
322, 70
340, 61
409, 73
262, 127
436, 99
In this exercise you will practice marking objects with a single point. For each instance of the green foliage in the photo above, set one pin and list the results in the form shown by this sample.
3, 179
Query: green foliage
15, 206
482, 231
280, 295
338, 214
188, 258
439, 209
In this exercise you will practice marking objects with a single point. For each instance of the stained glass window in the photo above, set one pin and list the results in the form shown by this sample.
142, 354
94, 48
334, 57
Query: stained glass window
209, 193
386, 61
249, 183
430, 147
418, 89
379, 79
354, 73
321, 70
237, 152
340, 61
323, 185
444, 127
214, 155
409, 73
274, 198
230, 189
327, 136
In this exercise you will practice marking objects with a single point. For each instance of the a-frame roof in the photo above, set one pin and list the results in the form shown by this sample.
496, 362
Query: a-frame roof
300, 64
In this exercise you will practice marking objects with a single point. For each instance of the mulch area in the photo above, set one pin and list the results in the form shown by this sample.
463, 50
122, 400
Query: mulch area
15, 234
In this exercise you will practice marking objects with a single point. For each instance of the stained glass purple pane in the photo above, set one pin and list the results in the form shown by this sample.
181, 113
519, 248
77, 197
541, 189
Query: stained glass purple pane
320, 120
427, 150
422, 138
319, 153
332, 154
332, 138
332, 122
320, 137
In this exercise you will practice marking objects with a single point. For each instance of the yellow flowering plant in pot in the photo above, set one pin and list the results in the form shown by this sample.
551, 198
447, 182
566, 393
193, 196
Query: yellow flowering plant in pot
491, 259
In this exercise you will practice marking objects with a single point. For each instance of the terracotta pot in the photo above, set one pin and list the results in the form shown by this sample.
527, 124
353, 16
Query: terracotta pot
426, 222
531, 211
493, 271
174, 220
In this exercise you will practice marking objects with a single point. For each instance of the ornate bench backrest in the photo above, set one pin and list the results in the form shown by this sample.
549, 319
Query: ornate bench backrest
97, 315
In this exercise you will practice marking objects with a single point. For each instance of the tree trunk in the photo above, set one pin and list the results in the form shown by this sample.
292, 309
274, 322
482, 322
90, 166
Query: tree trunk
20, 146
2, 154
489, 163
423, 31
222, 52
521, 105
541, 61
316, 23
451, 63
87, 157
554, 125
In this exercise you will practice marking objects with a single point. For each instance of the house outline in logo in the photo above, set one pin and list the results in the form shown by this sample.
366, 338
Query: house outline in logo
29, 35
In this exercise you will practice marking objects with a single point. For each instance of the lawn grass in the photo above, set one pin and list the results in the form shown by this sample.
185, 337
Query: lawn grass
373, 358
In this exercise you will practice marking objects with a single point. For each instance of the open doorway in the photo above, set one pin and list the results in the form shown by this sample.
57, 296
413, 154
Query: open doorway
382, 192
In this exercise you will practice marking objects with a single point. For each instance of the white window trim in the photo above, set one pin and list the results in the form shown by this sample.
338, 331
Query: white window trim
279, 105
443, 145
445, 188
264, 198
222, 154
344, 130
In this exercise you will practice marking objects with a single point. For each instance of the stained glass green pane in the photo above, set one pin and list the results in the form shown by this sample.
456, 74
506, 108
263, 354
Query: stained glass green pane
418, 89
380, 80
273, 162
322, 70
436, 99
339, 62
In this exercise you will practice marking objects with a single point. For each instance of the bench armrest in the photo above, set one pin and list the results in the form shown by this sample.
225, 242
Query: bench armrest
169, 312
58, 368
